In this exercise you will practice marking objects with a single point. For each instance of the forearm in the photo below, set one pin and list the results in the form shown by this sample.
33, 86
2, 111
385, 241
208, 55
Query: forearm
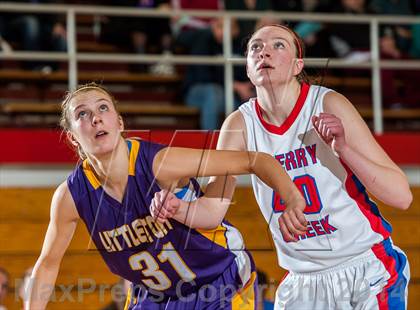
269, 170
387, 184
41, 285
203, 213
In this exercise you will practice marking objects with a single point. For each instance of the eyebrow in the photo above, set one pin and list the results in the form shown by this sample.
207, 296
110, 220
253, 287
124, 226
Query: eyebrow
97, 100
275, 38
100, 99
79, 106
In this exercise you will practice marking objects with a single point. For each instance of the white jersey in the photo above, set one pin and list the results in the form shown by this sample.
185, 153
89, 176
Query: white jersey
342, 221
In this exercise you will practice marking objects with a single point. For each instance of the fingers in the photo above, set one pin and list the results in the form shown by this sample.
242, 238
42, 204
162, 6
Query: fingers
287, 235
164, 205
328, 126
292, 224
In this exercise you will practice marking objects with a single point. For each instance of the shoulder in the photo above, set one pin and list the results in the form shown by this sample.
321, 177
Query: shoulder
234, 121
337, 104
233, 135
147, 151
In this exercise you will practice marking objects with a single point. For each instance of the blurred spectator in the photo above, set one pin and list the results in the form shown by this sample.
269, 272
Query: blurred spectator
34, 33
287, 5
264, 303
204, 84
350, 41
140, 35
415, 33
4, 286
248, 26
183, 23
314, 34
399, 88
4, 45
401, 34
415, 41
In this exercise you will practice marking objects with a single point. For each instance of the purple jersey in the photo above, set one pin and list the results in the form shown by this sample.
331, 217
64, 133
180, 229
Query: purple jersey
163, 257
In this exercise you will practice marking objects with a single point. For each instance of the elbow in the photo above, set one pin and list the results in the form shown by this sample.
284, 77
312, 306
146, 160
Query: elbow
209, 224
408, 199
404, 201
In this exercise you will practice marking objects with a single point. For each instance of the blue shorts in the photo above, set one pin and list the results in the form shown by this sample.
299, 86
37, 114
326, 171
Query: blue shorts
222, 293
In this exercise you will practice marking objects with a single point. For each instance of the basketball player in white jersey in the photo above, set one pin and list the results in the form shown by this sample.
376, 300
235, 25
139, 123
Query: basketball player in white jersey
338, 250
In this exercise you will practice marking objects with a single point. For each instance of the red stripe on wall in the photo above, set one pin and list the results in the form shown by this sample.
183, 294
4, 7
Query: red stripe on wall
43, 146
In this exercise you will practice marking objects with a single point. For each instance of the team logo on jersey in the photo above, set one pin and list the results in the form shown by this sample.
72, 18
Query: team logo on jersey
301, 157
306, 183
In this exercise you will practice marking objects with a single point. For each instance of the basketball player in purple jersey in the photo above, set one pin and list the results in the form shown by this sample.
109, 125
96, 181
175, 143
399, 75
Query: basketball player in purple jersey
170, 265
345, 259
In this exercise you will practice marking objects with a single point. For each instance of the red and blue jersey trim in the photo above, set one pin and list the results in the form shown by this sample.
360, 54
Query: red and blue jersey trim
393, 296
370, 210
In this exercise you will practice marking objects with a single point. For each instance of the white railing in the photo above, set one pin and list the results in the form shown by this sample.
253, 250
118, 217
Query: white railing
72, 56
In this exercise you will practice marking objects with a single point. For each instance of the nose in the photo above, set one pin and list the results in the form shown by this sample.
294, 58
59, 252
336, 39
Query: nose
96, 118
265, 53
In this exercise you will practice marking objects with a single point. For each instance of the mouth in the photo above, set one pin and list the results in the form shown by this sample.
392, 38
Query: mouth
265, 66
100, 134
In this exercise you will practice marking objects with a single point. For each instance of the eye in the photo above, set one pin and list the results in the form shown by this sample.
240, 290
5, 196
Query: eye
256, 46
278, 45
82, 114
103, 108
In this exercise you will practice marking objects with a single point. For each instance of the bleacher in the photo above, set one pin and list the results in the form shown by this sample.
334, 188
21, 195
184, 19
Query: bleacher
27, 97
30, 98
150, 101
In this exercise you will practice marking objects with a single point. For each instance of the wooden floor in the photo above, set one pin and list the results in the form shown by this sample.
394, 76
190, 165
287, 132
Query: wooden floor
24, 218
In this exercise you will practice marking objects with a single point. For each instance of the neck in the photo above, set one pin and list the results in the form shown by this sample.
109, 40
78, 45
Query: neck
112, 169
277, 101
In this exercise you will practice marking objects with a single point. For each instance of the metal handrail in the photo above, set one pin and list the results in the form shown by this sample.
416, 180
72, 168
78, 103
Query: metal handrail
72, 56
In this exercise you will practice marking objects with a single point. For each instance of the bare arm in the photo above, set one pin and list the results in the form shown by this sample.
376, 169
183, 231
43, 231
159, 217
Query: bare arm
63, 221
352, 140
208, 212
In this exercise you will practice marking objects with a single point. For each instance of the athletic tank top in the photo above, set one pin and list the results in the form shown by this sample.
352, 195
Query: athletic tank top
342, 221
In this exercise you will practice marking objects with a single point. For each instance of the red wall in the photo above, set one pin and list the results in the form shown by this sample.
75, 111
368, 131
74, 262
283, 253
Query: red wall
43, 146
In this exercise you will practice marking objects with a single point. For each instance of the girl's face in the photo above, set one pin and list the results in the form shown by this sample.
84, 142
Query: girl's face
95, 124
271, 57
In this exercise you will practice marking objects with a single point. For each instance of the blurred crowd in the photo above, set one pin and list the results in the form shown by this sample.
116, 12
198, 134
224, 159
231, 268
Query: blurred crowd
204, 36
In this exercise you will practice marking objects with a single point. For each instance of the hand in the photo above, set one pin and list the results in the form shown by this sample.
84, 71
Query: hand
292, 222
330, 129
164, 205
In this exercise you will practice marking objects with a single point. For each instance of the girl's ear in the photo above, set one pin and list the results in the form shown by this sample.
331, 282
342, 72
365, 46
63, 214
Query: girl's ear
72, 139
299, 64
121, 121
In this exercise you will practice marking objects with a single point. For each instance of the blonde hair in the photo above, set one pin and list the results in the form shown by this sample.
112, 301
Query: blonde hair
65, 122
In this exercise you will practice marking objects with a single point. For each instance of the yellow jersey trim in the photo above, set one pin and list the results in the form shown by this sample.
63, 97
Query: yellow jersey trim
135, 146
93, 180
244, 299
134, 151
216, 235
